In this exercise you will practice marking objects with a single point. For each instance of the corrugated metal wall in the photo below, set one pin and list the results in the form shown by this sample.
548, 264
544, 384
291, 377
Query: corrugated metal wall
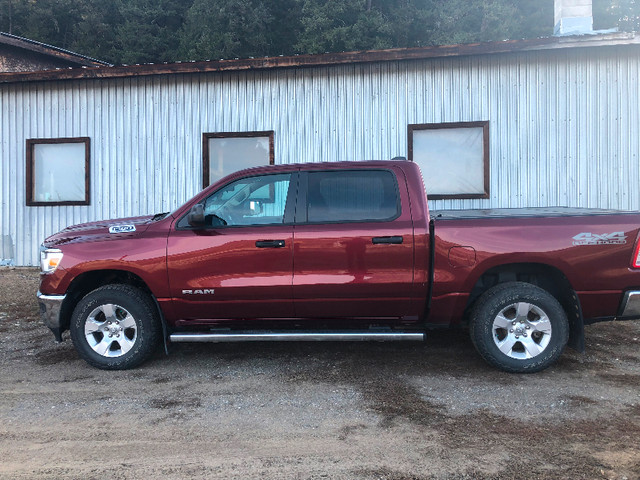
563, 129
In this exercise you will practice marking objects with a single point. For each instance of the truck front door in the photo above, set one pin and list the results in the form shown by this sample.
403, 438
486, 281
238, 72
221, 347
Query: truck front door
239, 265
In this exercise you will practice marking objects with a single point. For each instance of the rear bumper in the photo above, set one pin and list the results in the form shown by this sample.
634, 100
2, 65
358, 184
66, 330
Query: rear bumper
630, 305
50, 306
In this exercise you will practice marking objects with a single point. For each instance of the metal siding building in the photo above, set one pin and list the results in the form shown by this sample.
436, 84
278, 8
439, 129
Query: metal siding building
563, 126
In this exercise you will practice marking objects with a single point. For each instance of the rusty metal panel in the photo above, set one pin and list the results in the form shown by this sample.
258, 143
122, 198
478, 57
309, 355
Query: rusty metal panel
563, 128
325, 60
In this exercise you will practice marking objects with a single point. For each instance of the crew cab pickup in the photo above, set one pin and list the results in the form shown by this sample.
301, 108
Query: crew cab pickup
339, 251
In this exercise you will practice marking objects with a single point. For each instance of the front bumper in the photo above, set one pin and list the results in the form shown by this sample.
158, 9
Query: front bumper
50, 306
630, 306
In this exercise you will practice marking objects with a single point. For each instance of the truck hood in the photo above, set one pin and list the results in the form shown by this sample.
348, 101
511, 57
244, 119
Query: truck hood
101, 230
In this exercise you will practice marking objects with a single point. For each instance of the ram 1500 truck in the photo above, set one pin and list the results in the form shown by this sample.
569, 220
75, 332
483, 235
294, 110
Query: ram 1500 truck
339, 251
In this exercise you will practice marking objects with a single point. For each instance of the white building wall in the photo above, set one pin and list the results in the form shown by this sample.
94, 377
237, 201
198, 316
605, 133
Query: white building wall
563, 129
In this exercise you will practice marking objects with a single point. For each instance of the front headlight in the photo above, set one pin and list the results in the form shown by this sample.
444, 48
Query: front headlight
49, 259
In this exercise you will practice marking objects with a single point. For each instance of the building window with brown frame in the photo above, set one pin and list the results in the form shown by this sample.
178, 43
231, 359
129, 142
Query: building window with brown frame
227, 152
58, 171
453, 157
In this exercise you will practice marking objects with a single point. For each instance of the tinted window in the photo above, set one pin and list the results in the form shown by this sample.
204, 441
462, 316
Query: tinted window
351, 196
249, 201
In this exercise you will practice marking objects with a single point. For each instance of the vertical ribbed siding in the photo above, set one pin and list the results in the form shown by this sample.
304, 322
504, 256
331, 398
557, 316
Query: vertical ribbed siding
563, 128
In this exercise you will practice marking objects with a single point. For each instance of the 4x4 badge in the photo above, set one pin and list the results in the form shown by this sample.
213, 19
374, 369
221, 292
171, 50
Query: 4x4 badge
586, 238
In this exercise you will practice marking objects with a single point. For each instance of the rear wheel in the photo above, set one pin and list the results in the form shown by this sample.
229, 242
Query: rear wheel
115, 327
519, 327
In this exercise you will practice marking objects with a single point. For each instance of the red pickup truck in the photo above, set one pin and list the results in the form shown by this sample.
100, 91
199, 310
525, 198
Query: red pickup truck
339, 251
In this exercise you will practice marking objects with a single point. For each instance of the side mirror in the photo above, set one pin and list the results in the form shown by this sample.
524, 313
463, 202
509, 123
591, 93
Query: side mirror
196, 215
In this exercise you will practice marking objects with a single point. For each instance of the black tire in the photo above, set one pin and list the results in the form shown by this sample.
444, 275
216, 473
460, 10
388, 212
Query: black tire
115, 327
518, 327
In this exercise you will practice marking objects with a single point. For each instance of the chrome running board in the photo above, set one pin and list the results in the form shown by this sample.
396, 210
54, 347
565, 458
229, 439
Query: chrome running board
383, 336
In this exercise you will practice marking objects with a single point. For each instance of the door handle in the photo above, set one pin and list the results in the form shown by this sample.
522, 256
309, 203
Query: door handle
270, 243
396, 239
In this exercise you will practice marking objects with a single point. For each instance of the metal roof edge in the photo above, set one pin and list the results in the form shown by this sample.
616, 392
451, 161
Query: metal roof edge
50, 50
326, 59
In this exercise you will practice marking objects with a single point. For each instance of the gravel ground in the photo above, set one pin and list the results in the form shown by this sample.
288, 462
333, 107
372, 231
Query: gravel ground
318, 410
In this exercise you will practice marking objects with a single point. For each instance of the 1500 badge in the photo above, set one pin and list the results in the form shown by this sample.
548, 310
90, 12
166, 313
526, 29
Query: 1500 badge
122, 229
586, 238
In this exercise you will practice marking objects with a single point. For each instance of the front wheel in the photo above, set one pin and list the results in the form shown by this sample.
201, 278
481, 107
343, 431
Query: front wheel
519, 327
115, 327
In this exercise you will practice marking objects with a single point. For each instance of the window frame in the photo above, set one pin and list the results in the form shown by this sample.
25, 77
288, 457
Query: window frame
253, 134
484, 124
30, 170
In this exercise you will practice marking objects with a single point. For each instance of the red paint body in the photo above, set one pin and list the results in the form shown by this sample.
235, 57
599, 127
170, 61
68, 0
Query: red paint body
332, 273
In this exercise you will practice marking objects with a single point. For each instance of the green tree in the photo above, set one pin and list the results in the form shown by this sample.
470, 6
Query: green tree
284, 27
621, 14
11, 13
96, 32
460, 21
339, 25
149, 29
136, 31
49, 21
412, 22
226, 29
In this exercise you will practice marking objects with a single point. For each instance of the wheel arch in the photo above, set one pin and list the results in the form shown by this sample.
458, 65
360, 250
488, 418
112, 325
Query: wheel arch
88, 281
545, 276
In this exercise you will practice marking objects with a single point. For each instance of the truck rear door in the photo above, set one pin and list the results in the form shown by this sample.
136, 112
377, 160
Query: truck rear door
353, 245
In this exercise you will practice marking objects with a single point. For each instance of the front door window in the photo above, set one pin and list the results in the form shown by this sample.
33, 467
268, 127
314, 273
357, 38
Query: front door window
249, 201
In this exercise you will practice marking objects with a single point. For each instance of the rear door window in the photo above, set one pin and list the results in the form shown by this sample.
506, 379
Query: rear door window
352, 196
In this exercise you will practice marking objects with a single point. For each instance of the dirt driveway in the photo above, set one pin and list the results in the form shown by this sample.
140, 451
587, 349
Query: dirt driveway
296, 410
